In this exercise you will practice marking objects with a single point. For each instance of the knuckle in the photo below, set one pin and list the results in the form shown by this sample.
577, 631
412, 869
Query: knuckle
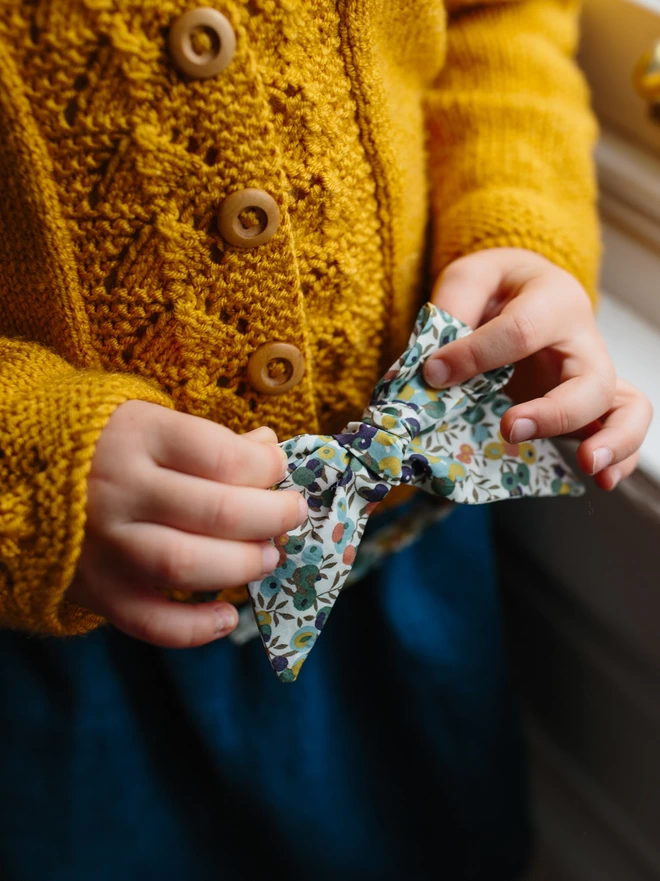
149, 628
560, 421
221, 518
471, 357
175, 565
523, 334
607, 384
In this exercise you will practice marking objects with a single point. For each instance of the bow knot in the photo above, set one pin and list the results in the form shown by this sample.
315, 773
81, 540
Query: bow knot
444, 442
380, 450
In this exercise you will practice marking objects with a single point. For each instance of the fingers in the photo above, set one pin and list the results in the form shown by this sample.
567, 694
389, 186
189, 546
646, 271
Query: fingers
221, 511
147, 615
199, 447
261, 435
468, 285
610, 478
565, 409
174, 559
532, 321
611, 451
610, 442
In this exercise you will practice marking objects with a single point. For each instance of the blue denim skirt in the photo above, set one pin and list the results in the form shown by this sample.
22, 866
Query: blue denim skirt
395, 757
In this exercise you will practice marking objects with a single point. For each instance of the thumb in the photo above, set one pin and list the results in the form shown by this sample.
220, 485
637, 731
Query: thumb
261, 435
469, 288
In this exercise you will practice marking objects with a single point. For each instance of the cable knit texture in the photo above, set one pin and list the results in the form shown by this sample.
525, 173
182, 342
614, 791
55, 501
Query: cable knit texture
361, 118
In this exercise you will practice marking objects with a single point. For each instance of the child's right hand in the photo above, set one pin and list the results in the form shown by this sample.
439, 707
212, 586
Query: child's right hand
175, 501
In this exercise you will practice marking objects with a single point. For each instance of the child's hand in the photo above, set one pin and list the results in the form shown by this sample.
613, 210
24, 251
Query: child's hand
178, 502
528, 310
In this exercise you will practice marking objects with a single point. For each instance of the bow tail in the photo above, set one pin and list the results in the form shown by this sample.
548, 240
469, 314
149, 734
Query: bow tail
490, 470
293, 603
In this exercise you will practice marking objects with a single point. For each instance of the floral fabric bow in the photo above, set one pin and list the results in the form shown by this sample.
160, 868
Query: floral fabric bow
445, 442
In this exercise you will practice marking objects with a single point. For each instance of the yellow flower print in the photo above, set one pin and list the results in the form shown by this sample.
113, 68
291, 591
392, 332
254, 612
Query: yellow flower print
388, 420
493, 450
456, 471
326, 453
384, 439
391, 464
527, 453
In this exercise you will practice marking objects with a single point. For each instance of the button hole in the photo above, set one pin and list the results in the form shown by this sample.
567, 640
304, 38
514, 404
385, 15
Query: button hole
280, 370
253, 220
205, 43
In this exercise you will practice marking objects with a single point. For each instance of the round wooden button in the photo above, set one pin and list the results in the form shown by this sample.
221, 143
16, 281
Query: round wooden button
243, 206
223, 43
263, 378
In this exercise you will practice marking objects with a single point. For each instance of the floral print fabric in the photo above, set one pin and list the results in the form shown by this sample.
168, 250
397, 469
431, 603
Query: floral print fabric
445, 442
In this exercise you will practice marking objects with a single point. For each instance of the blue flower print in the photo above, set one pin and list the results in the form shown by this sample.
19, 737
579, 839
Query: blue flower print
312, 554
479, 433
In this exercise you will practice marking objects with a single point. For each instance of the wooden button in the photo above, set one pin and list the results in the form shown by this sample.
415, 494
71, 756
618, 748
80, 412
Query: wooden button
182, 50
263, 372
236, 212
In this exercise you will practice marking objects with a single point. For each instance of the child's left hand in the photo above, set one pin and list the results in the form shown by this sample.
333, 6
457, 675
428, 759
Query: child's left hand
529, 310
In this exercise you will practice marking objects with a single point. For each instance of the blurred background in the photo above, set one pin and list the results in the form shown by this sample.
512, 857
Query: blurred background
582, 580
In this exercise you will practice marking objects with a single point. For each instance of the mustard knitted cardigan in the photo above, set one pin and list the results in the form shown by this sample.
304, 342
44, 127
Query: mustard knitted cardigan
362, 118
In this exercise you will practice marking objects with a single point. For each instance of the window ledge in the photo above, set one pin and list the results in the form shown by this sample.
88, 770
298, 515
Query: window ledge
634, 345
629, 314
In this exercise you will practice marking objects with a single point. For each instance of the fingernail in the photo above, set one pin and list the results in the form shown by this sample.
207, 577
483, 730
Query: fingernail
436, 372
523, 429
302, 506
224, 621
285, 462
616, 477
602, 458
271, 558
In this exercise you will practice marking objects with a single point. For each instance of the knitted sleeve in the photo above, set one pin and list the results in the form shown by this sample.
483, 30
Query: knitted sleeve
51, 415
511, 135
